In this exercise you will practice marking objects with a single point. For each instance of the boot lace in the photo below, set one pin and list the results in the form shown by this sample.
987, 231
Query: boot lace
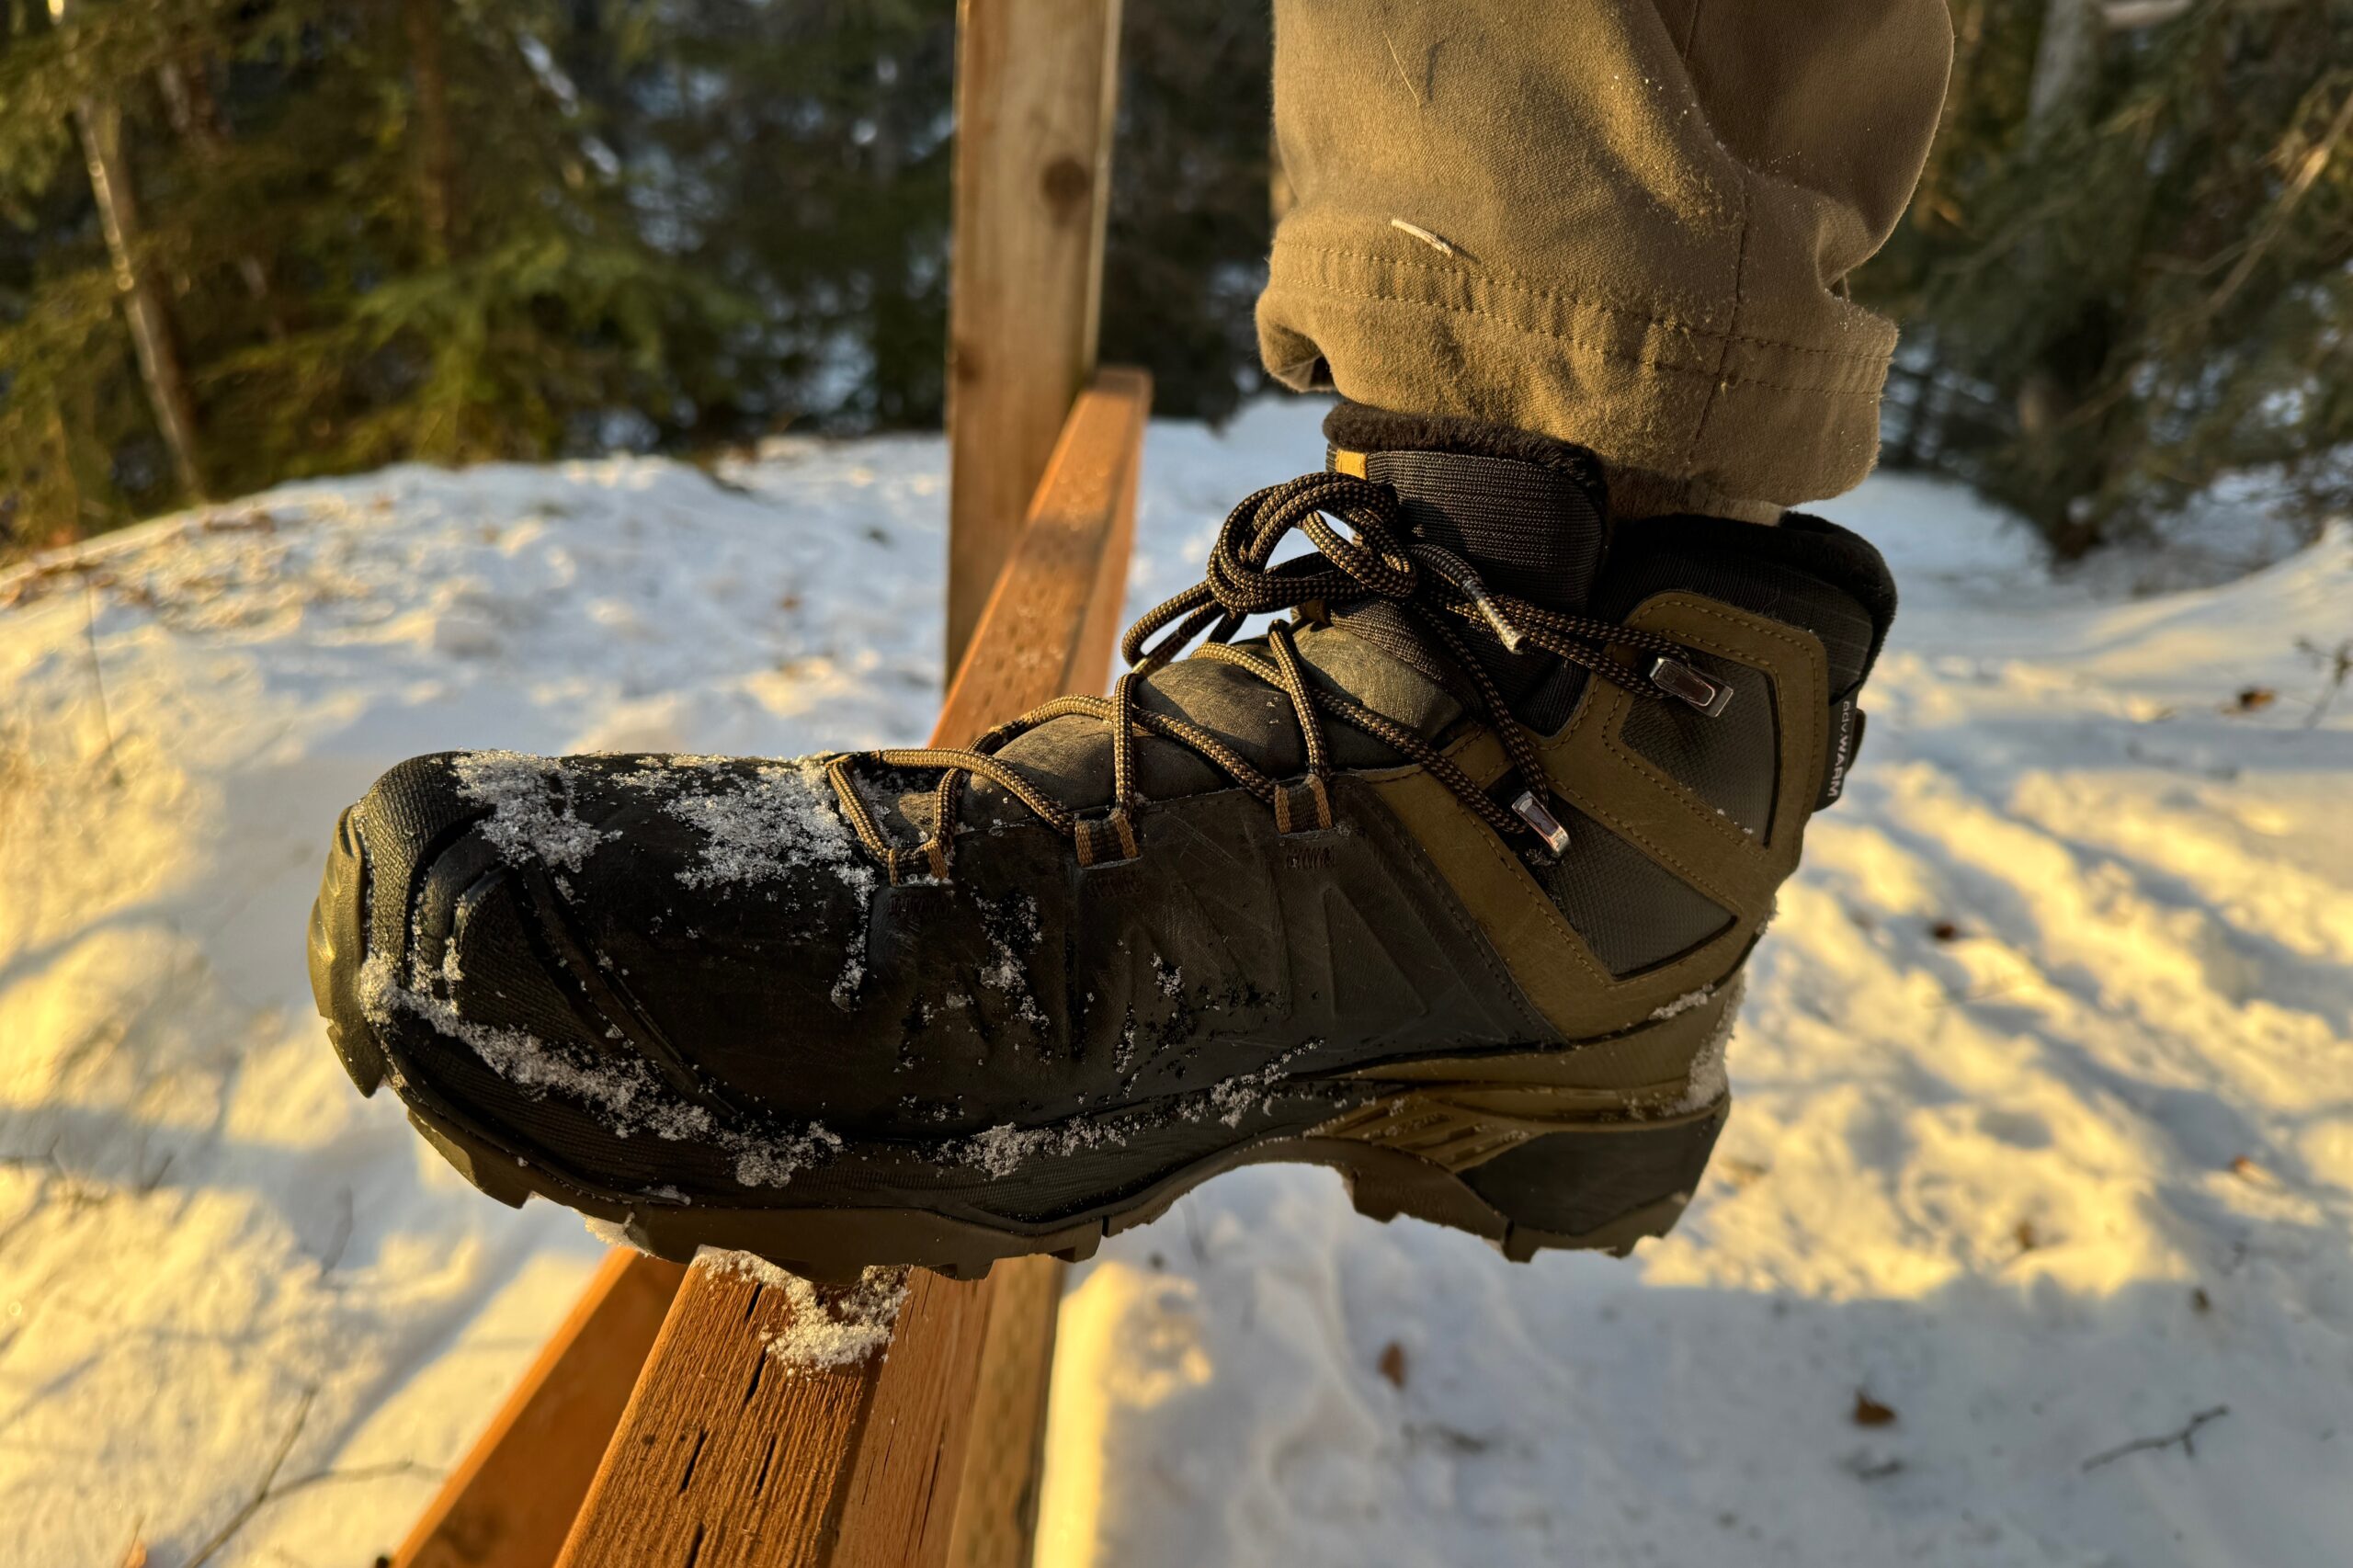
1439, 591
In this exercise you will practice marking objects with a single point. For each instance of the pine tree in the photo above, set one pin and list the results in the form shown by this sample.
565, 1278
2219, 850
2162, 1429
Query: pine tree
1191, 202
76, 436
804, 152
2130, 270
344, 289
372, 230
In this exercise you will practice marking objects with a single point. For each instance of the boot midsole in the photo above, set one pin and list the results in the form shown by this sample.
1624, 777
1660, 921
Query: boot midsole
1453, 1112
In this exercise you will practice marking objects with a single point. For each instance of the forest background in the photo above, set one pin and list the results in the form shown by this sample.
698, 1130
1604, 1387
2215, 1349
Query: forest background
244, 240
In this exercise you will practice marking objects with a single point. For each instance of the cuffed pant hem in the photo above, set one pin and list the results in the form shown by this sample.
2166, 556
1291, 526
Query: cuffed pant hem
1732, 414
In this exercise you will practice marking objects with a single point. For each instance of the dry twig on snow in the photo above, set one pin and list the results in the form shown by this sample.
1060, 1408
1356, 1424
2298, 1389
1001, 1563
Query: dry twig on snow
2186, 1437
268, 1491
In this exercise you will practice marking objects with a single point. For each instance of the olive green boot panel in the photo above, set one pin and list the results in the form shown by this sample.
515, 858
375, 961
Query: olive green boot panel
1696, 853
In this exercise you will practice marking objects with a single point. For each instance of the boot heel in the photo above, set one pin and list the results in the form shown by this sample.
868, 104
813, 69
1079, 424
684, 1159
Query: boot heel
1603, 1185
1607, 1187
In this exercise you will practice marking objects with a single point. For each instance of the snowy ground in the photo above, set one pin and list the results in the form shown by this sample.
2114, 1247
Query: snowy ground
2044, 1137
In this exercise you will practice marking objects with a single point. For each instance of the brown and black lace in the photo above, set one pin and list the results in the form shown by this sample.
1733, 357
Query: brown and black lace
1439, 590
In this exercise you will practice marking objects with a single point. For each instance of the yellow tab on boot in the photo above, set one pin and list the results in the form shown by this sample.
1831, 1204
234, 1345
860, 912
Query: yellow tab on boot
1349, 463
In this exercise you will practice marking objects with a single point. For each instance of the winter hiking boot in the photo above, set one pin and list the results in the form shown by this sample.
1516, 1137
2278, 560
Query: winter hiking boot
1446, 881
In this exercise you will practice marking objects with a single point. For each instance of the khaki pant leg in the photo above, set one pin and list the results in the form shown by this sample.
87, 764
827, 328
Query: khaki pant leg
1623, 223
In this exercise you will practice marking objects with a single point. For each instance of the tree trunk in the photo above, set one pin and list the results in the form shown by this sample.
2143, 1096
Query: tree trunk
2064, 59
437, 177
195, 118
2061, 465
144, 306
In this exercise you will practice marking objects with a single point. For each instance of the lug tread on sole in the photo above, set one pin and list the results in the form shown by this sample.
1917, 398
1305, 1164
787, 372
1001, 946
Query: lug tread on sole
356, 1049
495, 1175
335, 938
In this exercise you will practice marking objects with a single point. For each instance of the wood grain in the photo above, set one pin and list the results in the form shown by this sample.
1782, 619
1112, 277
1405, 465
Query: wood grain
996, 1511
1035, 91
722, 1460
725, 1457
511, 1502
900, 1505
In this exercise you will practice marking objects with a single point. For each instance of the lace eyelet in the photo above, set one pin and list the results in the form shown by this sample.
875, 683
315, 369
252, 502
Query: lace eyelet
1303, 807
1106, 840
1685, 683
926, 862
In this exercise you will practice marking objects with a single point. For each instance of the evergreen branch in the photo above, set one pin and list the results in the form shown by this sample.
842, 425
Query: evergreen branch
2308, 173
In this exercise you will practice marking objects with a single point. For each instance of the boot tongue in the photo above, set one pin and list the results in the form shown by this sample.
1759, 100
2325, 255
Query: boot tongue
1528, 514
1529, 531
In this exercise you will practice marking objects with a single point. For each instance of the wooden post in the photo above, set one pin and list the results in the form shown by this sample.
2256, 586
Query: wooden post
725, 1459
1036, 87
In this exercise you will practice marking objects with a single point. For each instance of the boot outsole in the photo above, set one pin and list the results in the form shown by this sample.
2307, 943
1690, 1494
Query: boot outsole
1648, 1168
